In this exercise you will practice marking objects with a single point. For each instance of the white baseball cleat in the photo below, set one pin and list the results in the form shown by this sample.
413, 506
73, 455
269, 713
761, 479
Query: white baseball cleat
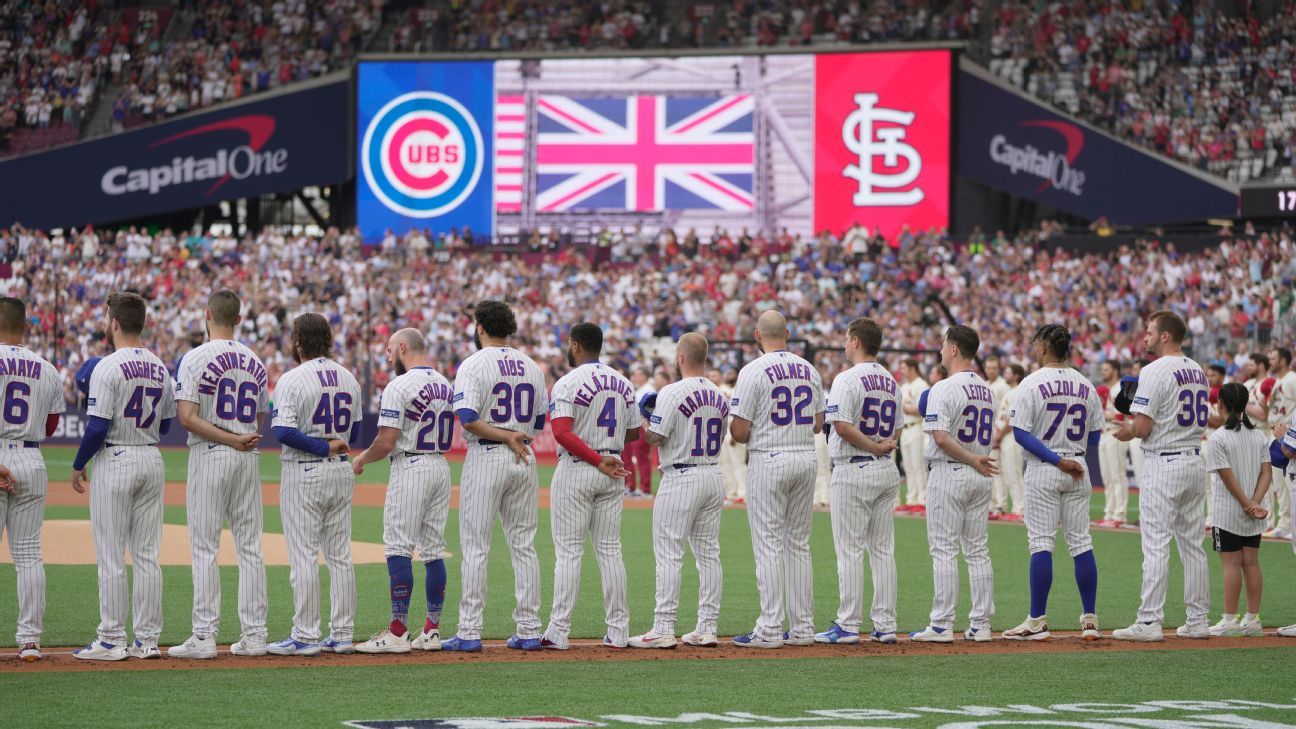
1251, 628
1226, 628
1089, 627
29, 652
139, 649
789, 639
978, 635
385, 641
428, 640
195, 647
1288, 631
101, 651
701, 640
652, 640
249, 647
1031, 629
1142, 632
1196, 631
932, 634
751, 640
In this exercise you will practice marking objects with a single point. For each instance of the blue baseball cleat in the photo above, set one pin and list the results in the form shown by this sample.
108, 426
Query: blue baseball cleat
524, 644
878, 636
341, 647
751, 641
290, 647
836, 634
462, 645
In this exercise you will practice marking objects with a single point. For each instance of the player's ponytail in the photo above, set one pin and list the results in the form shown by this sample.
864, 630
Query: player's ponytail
1233, 398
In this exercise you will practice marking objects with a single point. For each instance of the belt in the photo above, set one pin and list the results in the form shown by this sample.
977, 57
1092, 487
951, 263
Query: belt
604, 451
414, 454
1187, 452
120, 445
330, 459
686, 466
19, 444
868, 459
488, 442
1072, 455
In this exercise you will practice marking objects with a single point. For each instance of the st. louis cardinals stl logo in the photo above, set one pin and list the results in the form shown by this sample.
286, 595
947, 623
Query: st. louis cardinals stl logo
868, 141
422, 154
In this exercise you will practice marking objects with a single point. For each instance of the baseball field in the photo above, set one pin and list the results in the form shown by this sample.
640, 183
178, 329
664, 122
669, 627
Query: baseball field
1216, 683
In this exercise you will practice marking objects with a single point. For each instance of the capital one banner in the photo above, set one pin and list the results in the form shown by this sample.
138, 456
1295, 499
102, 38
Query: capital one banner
882, 140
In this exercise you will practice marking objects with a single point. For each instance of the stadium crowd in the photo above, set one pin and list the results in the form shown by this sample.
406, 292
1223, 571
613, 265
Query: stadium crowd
527, 25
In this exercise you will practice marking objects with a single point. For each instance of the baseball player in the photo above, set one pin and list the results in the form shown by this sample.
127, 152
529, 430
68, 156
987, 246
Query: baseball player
778, 407
864, 410
999, 386
221, 395
500, 399
593, 413
960, 419
733, 455
687, 423
316, 412
1056, 417
912, 438
823, 459
130, 406
1282, 406
1135, 444
1282, 451
1169, 413
33, 401
638, 454
415, 429
1112, 454
1011, 463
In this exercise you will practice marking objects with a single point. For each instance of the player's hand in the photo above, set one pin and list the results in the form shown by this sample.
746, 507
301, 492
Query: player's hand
357, 467
887, 446
519, 444
1072, 468
985, 465
7, 480
612, 467
1124, 433
77, 478
247, 442
1279, 431
338, 447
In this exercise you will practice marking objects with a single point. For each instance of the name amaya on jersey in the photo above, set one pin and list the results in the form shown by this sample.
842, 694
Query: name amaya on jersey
321, 398
228, 382
601, 404
780, 394
417, 404
1174, 393
1060, 408
132, 389
505, 388
964, 406
868, 397
692, 415
27, 377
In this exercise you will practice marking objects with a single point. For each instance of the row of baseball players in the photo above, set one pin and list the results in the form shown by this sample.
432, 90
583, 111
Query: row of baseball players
499, 397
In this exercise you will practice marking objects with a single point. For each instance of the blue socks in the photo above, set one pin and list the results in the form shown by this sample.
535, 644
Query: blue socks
1086, 575
402, 580
1041, 581
436, 587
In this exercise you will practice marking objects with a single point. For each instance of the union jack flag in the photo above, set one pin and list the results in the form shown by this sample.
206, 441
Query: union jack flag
645, 153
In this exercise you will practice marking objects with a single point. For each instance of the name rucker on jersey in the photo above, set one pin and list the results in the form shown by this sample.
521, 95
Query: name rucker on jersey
1059, 407
1174, 393
417, 404
505, 388
321, 399
600, 402
33, 379
963, 405
229, 384
779, 389
132, 388
692, 416
868, 396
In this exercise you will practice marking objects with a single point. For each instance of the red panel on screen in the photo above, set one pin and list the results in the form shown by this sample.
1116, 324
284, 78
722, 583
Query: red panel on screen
882, 141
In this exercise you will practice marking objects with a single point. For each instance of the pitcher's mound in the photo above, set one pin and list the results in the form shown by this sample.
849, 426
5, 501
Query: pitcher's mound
72, 542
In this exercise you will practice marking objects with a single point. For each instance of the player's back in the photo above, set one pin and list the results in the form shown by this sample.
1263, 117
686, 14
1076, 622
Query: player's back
600, 402
132, 388
505, 388
228, 383
694, 413
418, 404
867, 396
780, 394
1173, 391
1060, 407
319, 397
31, 389
964, 405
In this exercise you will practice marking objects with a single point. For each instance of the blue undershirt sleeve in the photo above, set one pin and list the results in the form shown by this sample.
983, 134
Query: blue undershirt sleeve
294, 438
467, 416
1035, 447
96, 433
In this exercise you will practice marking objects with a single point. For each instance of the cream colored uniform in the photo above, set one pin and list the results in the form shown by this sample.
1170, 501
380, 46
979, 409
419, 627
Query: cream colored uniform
999, 499
913, 442
1282, 408
823, 462
1112, 458
733, 460
1289, 478
1012, 464
32, 391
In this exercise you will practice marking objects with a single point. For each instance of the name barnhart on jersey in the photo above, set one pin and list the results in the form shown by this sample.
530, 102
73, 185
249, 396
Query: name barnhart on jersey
1064, 388
603, 383
142, 370
704, 397
429, 393
787, 371
224, 362
15, 367
1191, 376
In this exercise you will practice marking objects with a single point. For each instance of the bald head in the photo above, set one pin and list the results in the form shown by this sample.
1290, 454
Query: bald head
406, 349
772, 330
412, 339
693, 349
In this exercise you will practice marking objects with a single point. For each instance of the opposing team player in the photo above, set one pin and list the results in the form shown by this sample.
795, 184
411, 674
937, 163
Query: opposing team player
317, 406
1169, 411
500, 399
1056, 417
415, 429
687, 424
130, 406
221, 396
593, 414
34, 401
912, 439
1113, 455
864, 412
778, 407
960, 420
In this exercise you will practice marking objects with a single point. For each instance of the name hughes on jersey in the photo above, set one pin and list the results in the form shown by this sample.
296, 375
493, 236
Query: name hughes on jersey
140, 370
787, 371
603, 383
427, 394
705, 397
1064, 388
14, 367
224, 362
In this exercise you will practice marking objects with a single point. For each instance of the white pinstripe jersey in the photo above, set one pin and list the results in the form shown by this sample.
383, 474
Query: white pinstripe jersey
228, 382
1244, 451
30, 391
964, 406
780, 393
868, 397
417, 404
321, 398
691, 415
1174, 393
600, 402
505, 388
132, 388
1059, 406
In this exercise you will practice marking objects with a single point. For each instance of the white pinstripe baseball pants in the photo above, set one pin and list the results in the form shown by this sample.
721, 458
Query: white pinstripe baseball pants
126, 513
958, 507
1055, 499
225, 485
416, 506
315, 498
862, 497
21, 515
1170, 506
586, 503
780, 494
494, 483
687, 511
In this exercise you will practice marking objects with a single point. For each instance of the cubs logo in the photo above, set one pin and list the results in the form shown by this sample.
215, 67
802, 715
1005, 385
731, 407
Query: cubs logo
422, 154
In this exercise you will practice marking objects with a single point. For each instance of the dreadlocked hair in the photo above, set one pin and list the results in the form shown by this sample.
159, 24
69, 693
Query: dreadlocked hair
1056, 339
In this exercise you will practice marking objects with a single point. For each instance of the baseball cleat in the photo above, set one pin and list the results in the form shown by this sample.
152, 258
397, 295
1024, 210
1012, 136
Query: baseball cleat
462, 645
333, 645
428, 640
751, 641
290, 647
101, 651
385, 641
550, 645
1196, 631
802, 640
978, 635
249, 647
837, 635
1288, 631
523, 644
932, 634
1143, 632
700, 640
1089, 627
29, 652
609, 643
1251, 628
139, 649
1031, 629
879, 636
1226, 628
195, 647
653, 640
